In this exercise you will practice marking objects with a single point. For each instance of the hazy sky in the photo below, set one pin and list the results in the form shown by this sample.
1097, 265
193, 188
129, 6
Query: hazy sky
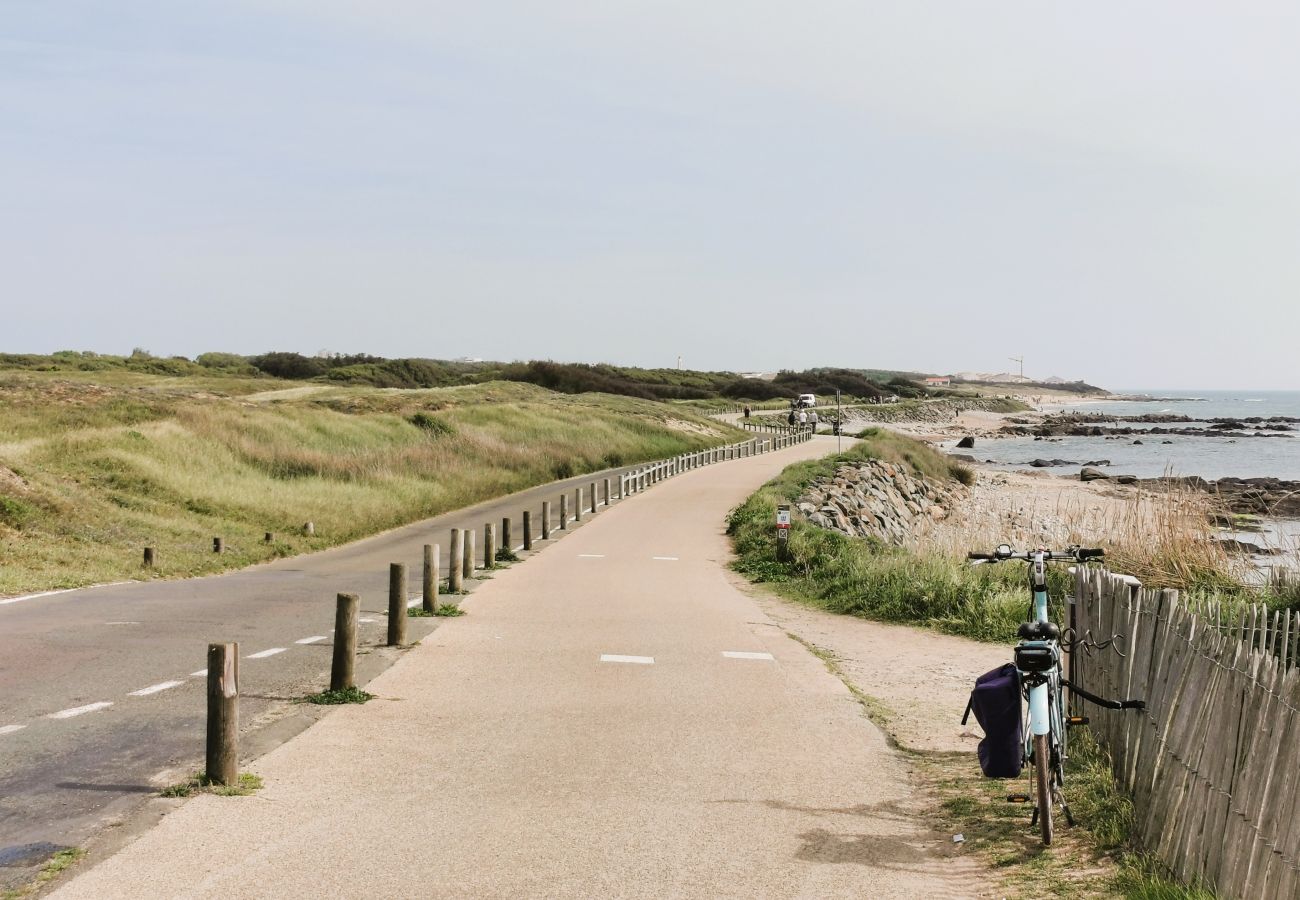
1110, 189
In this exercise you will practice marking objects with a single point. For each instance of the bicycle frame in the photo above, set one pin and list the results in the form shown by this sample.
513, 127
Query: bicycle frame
1043, 688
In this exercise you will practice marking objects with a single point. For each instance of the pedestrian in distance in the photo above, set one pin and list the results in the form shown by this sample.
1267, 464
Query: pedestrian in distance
746, 412
803, 417
791, 419
812, 420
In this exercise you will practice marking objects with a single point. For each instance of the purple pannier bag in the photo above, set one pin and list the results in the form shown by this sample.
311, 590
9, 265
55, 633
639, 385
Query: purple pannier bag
996, 704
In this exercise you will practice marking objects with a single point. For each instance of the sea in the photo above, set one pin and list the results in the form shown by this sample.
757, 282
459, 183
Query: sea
1209, 457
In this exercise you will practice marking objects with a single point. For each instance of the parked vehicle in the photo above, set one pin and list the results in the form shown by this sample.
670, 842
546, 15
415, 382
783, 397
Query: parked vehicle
807, 400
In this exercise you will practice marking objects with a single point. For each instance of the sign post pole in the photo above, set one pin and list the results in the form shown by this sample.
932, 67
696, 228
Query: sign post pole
783, 532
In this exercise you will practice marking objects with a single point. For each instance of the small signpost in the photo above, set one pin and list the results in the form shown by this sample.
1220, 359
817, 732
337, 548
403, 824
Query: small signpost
783, 532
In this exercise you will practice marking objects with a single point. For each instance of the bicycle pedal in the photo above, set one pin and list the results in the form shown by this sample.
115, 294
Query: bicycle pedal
1072, 721
1017, 798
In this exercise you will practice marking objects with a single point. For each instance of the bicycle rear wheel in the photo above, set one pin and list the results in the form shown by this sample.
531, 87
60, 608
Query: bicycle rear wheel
1043, 783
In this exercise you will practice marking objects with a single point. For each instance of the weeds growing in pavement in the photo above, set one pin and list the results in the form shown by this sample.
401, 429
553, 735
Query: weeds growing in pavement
449, 611
335, 698
199, 783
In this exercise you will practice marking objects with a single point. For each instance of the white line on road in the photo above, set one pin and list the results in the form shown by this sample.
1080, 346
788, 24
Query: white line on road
591, 556
198, 673
155, 688
121, 623
639, 660
263, 654
668, 558
52, 593
80, 710
365, 621
10, 729
746, 654
415, 601
312, 640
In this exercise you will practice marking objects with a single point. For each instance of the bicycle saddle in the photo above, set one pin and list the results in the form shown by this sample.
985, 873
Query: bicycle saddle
1039, 631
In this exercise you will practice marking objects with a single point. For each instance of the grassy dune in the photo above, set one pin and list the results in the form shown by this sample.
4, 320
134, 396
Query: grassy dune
94, 468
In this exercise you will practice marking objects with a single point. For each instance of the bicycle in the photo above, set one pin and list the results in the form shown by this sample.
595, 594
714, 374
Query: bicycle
1042, 682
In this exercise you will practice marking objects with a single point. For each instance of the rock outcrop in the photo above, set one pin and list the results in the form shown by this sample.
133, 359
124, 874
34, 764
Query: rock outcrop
877, 499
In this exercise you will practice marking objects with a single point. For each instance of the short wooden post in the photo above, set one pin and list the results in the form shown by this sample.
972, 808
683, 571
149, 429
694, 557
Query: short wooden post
343, 670
218, 545
593, 498
149, 557
467, 565
507, 539
429, 595
564, 512
546, 520
489, 546
454, 572
309, 528
622, 486
577, 504
268, 538
396, 604
607, 497
528, 529
222, 765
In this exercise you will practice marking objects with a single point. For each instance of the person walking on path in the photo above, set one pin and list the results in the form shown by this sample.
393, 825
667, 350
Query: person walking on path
746, 412
791, 418
812, 420
803, 418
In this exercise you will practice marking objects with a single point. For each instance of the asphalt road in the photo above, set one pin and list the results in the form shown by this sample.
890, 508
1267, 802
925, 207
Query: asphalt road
102, 692
615, 718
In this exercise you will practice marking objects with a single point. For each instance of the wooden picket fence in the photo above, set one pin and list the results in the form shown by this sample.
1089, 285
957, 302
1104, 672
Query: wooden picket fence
1213, 762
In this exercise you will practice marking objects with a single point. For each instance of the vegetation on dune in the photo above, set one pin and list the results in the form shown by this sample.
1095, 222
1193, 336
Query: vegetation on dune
91, 472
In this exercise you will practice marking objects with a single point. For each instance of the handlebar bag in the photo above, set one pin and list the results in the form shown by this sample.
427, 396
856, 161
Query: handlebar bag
996, 704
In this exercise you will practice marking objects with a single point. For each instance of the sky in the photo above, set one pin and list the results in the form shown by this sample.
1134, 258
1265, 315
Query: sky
1110, 190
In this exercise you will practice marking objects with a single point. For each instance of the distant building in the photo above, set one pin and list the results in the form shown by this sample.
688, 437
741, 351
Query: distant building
938, 381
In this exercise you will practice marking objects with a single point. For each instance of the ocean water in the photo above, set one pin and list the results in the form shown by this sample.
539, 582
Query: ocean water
1209, 457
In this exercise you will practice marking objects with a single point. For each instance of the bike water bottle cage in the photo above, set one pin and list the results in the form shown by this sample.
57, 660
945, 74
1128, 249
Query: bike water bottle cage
1039, 631
1034, 658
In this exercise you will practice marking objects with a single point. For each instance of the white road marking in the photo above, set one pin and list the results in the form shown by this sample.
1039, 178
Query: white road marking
746, 654
10, 729
311, 640
591, 556
80, 710
52, 593
639, 660
263, 654
121, 623
198, 673
415, 601
365, 621
155, 688
668, 558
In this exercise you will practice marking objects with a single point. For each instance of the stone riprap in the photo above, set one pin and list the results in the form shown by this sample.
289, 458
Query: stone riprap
877, 499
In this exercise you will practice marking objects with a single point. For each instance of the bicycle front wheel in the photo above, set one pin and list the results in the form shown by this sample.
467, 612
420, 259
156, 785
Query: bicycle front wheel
1043, 783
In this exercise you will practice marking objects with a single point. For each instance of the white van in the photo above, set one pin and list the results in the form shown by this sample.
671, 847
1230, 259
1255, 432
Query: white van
807, 400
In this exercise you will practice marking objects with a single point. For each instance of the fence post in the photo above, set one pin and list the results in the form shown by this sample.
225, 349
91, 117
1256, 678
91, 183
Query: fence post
223, 713
507, 539
342, 672
430, 593
396, 604
564, 512
546, 520
528, 529
218, 545
148, 557
489, 546
577, 504
454, 574
622, 484
309, 528
467, 562
594, 496
607, 497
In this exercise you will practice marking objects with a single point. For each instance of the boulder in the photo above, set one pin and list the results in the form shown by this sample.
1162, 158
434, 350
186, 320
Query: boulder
1126, 479
967, 442
1097, 462
1088, 473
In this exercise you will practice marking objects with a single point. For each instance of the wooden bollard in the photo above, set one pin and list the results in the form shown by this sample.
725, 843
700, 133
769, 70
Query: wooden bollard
396, 604
343, 669
489, 546
149, 558
577, 504
622, 483
268, 538
546, 520
527, 525
593, 498
607, 497
467, 563
218, 545
564, 512
430, 585
507, 539
309, 528
223, 714
454, 572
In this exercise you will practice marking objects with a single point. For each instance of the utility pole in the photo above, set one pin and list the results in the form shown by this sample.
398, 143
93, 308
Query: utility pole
839, 423
1021, 360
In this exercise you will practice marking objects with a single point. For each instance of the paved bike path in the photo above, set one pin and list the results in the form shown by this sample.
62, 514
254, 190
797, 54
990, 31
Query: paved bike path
615, 717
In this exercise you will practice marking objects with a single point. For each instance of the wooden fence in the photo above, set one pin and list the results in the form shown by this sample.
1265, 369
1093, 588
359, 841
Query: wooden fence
1213, 762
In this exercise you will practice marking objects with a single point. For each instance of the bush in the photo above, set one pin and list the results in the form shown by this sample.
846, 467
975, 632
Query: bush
435, 426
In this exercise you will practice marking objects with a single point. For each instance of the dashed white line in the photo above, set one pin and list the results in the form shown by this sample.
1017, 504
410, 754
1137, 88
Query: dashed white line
62, 591
746, 654
617, 658
365, 621
198, 673
121, 623
10, 729
80, 710
312, 640
263, 654
668, 558
415, 601
591, 556
155, 688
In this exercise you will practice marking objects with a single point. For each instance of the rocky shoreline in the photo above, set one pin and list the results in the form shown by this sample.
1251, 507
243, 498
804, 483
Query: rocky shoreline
875, 499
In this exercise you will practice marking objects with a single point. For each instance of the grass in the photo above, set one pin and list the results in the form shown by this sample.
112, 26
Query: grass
53, 868
352, 694
96, 465
199, 783
449, 611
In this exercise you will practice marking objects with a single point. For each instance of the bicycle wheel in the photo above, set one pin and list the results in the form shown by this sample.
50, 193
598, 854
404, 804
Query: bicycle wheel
1043, 783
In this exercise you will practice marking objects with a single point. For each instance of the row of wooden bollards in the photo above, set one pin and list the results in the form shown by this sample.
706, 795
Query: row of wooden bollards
223, 659
219, 544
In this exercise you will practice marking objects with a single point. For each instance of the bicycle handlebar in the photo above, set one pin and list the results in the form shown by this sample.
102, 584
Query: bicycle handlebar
1074, 554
